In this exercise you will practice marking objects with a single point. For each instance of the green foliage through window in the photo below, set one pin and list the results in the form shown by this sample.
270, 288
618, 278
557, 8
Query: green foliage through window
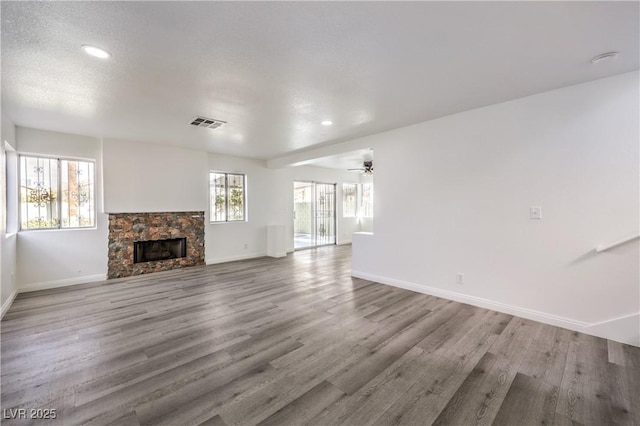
56, 193
228, 197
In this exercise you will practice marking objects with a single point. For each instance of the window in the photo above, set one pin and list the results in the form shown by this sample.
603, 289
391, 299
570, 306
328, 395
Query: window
357, 199
56, 193
227, 194
366, 203
349, 199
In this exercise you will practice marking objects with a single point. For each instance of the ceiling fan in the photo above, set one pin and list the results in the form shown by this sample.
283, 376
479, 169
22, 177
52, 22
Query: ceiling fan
367, 168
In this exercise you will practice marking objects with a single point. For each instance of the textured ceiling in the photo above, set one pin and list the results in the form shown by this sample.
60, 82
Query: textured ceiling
274, 70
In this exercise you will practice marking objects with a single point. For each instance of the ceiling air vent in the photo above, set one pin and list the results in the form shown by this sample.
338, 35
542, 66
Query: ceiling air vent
209, 123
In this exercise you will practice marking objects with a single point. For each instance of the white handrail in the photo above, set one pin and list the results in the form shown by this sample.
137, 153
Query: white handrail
602, 248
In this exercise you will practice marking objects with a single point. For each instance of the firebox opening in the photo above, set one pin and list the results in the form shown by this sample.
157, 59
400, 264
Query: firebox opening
148, 251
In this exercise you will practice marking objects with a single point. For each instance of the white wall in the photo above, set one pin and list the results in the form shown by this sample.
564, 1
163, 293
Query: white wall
147, 177
49, 258
270, 202
8, 244
240, 240
138, 178
453, 195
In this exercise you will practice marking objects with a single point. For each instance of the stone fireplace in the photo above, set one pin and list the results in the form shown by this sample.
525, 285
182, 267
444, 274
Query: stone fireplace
140, 243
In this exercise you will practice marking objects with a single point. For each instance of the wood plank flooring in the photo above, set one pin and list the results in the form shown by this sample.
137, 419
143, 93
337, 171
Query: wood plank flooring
297, 341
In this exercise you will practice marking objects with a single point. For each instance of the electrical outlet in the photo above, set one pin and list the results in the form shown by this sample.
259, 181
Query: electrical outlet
460, 278
535, 212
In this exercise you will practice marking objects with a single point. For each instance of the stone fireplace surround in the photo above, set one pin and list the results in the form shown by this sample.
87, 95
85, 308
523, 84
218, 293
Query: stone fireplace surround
125, 228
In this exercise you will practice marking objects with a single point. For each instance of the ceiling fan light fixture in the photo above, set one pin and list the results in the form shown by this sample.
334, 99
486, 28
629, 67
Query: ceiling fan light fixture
366, 169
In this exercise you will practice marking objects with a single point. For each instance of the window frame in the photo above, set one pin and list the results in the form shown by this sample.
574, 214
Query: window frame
361, 209
355, 207
59, 159
226, 195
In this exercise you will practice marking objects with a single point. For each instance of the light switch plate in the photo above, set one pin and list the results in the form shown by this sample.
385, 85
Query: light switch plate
535, 212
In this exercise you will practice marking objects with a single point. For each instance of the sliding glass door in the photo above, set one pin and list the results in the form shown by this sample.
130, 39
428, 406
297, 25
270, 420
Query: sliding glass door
325, 214
314, 214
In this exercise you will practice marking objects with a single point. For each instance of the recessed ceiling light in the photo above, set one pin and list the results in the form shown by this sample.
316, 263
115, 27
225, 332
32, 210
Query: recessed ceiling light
604, 57
96, 51
327, 123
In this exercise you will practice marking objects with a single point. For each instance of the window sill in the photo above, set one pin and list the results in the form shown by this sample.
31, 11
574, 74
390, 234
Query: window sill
93, 228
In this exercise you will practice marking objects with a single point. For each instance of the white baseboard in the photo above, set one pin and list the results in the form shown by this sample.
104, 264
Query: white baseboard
61, 283
234, 258
623, 329
7, 303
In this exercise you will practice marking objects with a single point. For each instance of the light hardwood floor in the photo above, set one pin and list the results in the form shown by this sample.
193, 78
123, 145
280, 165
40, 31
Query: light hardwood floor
296, 341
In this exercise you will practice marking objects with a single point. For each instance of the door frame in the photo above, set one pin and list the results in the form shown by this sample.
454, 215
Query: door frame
314, 214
